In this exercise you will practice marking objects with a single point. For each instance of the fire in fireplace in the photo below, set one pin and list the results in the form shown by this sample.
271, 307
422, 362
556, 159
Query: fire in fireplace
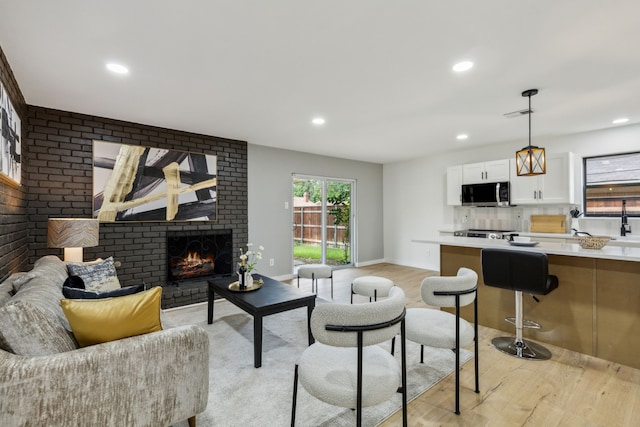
199, 256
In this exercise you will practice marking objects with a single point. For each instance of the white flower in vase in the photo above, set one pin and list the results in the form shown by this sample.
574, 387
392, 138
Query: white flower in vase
250, 258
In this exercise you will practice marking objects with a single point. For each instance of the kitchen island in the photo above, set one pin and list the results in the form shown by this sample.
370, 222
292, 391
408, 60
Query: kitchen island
595, 310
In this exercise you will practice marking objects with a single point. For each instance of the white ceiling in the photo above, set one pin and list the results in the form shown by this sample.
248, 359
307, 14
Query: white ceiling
379, 71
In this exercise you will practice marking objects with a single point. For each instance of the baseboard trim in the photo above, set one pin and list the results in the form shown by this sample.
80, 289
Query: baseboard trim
368, 263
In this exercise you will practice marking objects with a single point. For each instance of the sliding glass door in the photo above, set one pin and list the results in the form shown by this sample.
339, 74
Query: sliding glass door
322, 221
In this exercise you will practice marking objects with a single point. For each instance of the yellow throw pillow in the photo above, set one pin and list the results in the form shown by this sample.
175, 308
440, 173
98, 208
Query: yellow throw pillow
98, 321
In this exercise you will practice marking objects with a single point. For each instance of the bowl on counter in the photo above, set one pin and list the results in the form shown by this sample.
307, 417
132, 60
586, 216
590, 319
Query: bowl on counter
593, 242
521, 239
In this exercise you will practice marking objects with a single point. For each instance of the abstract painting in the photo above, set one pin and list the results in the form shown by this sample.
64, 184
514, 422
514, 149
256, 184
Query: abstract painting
10, 145
135, 183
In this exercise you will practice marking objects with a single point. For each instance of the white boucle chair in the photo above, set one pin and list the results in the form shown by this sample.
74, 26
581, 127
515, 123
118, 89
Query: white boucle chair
345, 349
315, 272
371, 287
437, 328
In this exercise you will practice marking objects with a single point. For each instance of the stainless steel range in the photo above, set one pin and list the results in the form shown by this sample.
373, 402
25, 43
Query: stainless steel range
485, 234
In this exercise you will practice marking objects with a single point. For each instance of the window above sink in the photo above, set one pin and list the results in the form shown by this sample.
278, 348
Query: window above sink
608, 180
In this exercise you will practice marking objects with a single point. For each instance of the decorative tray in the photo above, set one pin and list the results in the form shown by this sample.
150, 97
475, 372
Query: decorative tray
235, 286
528, 244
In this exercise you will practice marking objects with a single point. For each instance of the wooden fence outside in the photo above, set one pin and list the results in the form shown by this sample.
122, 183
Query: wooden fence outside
307, 227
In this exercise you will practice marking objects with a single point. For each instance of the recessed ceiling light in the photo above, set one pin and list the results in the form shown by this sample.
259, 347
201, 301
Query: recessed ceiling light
117, 68
318, 121
463, 66
620, 120
462, 136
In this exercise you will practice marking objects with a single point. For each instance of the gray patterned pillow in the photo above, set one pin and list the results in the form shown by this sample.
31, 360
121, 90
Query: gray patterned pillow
99, 276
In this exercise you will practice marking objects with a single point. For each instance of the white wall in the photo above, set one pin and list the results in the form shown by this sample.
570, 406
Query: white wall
415, 191
270, 174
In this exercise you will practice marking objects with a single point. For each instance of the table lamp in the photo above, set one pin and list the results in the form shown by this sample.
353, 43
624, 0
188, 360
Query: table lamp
72, 234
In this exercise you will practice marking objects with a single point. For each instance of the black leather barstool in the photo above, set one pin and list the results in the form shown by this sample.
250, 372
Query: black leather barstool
519, 271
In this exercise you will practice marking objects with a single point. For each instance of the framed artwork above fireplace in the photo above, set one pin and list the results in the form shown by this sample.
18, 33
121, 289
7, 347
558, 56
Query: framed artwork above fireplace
136, 183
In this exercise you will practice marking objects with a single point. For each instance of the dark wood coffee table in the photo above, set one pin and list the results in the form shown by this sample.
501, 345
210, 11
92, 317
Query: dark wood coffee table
273, 297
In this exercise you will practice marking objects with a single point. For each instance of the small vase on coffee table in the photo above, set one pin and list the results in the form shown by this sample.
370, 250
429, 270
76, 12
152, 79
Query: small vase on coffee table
248, 280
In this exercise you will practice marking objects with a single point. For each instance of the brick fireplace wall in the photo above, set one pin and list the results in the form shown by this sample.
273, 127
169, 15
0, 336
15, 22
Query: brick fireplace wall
14, 224
58, 176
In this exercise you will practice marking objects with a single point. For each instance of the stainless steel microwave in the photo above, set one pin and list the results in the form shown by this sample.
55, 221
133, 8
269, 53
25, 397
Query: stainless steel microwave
486, 194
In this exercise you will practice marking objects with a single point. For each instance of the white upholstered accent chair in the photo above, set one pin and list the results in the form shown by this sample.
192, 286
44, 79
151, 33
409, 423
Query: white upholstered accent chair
437, 328
345, 367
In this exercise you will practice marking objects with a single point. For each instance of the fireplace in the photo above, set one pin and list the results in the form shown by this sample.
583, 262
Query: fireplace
201, 256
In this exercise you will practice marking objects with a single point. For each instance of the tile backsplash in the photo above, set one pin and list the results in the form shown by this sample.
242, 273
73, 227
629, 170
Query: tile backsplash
608, 226
512, 218
517, 218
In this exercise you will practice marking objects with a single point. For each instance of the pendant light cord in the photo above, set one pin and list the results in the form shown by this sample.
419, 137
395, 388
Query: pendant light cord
530, 122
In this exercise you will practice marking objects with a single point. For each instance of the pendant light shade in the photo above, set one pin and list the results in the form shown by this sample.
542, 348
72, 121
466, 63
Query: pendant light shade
531, 159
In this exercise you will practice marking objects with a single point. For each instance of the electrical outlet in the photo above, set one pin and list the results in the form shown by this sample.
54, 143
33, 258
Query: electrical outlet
271, 262
286, 205
428, 252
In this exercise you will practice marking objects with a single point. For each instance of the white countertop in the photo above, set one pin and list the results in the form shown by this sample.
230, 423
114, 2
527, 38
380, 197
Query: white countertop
631, 240
558, 235
615, 240
569, 249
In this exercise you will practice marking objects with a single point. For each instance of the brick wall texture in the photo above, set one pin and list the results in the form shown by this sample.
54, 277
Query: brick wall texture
58, 174
14, 224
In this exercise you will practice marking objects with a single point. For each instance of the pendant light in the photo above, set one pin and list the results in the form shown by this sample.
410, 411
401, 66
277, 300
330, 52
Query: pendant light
531, 159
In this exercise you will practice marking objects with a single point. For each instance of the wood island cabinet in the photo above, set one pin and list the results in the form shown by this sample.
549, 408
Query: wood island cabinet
595, 310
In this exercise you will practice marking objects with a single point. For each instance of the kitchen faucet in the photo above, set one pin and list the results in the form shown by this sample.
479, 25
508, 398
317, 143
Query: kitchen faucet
625, 227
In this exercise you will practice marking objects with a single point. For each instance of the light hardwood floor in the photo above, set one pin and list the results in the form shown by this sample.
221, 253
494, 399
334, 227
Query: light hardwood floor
571, 389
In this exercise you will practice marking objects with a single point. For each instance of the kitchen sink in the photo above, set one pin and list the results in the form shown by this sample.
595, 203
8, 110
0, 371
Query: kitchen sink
632, 241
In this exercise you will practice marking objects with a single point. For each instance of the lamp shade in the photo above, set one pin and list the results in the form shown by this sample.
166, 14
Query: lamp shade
72, 232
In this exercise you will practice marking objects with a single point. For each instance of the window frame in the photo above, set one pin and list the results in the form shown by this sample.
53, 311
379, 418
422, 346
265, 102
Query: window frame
584, 187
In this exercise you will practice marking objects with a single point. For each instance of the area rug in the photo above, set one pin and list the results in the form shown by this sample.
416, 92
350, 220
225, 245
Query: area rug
240, 395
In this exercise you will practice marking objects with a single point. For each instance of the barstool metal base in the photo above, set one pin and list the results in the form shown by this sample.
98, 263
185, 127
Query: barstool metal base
525, 349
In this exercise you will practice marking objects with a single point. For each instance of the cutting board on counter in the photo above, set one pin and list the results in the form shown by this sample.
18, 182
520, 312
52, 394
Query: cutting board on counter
548, 224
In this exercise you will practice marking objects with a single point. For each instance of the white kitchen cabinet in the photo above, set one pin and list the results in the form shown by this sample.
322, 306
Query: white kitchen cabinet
554, 187
523, 190
493, 171
454, 185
